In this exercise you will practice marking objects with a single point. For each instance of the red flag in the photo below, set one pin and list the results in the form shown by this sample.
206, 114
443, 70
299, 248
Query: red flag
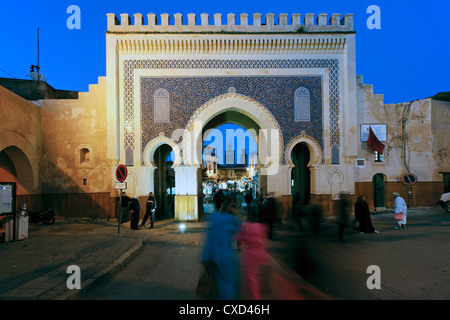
374, 143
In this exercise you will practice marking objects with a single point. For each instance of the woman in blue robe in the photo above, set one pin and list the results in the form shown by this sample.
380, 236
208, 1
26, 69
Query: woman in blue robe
220, 249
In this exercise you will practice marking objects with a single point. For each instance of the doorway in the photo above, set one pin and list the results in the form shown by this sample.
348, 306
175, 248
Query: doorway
164, 185
379, 188
300, 174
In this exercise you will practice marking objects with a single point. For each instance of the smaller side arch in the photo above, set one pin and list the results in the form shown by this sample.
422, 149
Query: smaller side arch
153, 144
28, 157
311, 143
335, 179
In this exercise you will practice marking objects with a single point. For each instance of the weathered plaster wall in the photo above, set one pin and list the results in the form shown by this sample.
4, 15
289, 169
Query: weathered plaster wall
409, 142
68, 126
440, 129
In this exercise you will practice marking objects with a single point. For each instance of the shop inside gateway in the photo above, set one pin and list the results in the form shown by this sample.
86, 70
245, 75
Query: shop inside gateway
230, 164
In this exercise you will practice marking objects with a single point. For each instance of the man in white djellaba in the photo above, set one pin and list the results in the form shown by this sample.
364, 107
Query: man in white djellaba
400, 207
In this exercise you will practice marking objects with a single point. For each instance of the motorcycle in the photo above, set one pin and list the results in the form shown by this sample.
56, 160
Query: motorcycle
46, 216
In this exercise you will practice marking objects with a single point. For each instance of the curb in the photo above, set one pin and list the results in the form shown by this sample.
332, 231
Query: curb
103, 275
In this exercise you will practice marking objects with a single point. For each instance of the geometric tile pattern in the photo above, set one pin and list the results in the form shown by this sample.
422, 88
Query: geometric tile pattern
130, 65
189, 93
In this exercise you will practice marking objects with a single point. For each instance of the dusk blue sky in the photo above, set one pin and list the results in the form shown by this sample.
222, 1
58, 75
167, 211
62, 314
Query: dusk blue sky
407, 59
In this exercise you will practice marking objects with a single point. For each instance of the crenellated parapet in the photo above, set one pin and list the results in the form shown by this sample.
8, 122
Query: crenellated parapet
190, 23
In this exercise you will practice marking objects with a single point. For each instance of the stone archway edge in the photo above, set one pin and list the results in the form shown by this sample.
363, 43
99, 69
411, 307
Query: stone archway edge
153, 144
238, 102
313, 146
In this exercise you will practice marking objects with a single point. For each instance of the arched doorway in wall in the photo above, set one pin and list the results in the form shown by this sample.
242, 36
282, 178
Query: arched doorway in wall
300, 174
15, 167
247, 113
379, 190
230, 156
164, 181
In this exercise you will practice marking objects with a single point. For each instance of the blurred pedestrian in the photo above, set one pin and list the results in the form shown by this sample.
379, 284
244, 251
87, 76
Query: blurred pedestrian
314, 213
124, 208
298, 212
219, 249
149, 210
269, 213
342, 218
259, 207
252, 239
400, 211
218, 199
362, 215
248, 201
135, 208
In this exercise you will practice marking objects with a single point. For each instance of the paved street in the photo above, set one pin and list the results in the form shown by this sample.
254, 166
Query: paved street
165, 269
168, 267
414, 263
163, 263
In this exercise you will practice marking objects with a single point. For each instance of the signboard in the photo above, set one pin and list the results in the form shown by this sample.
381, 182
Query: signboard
121, 173
378, 129
120, 185
409, 179
7, 197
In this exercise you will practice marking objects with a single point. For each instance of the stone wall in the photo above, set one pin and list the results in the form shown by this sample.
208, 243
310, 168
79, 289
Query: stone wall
35, 90
75, 172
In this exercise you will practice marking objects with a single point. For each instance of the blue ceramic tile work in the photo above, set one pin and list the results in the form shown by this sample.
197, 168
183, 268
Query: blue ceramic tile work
266, 94
189, 93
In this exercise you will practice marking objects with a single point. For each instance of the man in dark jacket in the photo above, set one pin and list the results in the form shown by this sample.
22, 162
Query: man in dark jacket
124, 214
135, 208
269, 213
149, 210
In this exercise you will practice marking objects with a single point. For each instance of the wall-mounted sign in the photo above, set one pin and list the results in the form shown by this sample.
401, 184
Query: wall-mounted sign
121, 173
378, 129
120, 185
361, 163
7, 197
409, 179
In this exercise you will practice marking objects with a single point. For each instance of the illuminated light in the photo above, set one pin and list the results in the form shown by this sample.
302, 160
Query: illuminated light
129, 125
182, 227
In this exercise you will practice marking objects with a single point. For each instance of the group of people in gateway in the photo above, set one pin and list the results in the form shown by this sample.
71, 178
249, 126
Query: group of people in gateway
265, 210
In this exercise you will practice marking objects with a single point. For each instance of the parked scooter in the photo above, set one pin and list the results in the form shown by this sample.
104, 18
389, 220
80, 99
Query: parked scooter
46, 216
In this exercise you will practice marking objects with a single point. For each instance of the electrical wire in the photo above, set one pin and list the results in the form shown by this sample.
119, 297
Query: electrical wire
7, 72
